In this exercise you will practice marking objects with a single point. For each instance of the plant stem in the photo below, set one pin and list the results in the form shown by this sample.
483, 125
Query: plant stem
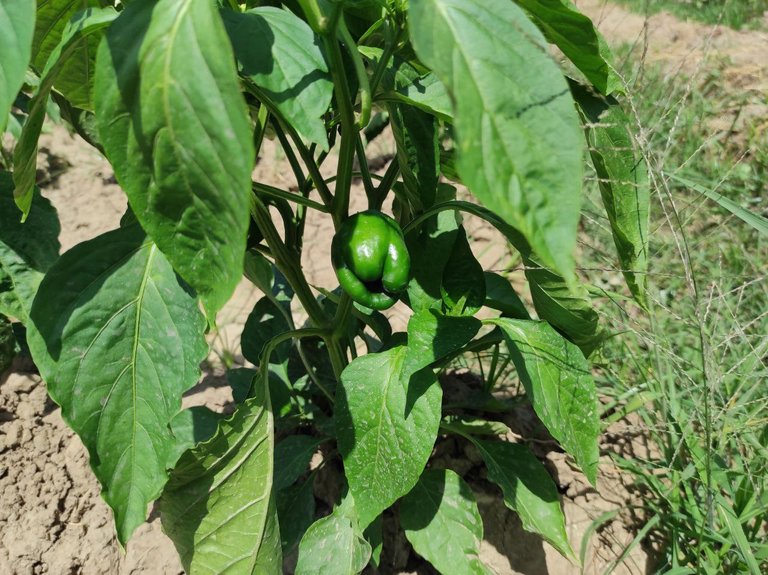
365, 171
288, 196
386, 183
288, 263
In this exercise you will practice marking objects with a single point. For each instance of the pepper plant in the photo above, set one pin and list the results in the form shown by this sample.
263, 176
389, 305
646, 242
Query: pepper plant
179, 96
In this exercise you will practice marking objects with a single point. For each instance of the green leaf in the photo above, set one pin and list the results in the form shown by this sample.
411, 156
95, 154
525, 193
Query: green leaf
418, 152
334, 545
217, 507
175, 128
193, 426
463, 285
464, 424
441, 520
280, 54
118, 340
559, 384
428, 94
52, 18
528, 490
26, 250
501, 296
387, 419
517, 130
17, 24
292, 457
264, 322
84, 27
296, 510
433, 336
576, 36
430, 249
622, 177
7, 344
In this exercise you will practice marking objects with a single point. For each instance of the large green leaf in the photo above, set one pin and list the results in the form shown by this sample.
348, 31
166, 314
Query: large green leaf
86, 26
281, 55
292, 457
174, 126
433, 335
576, 35
528, 490
622, 177
118, 339
559, 384
463, 283
17, 24
53, 19
518, 133
217, 507
387, 419
296, 510
441, 520
334, 545
26, 250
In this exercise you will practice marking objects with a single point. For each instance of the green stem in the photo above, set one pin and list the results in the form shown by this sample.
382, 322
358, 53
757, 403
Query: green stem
360, 72
342, 312
273, 192
385, 185
293, 161
348, 127
381, 66
288, 262
365, 171
262, 118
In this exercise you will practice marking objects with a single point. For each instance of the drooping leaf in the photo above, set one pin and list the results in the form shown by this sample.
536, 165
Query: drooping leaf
174, 126
463, 285
428, 94
296, 510
441, 520
118, 340
517, 130
280, 54
264, 322
418, 152
217, 507
559, 384
26, 250
17, 24
463, 425
528, 490
292, 457
576, 36
387, 419
333, 545
622, 177
192, 426
52, 18
86, 27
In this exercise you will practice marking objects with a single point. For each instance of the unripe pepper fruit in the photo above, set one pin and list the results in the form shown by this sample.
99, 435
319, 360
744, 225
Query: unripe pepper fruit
371, 259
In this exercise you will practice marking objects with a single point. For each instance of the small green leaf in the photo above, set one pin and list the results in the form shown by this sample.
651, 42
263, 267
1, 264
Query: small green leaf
118, 340
387, 419
193, 426
292, 457
528, 490
518, 134
175, 128
501, 296
280, 54
622, 177
433, 335
264, 322
441, 521
559, 384
86, 26
334, 545
17, 25
463, 425
26, 250
217, 507
576, 36
463, 285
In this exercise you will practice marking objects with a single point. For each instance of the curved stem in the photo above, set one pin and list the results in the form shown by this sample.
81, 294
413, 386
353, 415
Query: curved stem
360, 72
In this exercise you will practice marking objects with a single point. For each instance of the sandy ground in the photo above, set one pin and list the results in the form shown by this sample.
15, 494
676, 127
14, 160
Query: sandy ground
52, 519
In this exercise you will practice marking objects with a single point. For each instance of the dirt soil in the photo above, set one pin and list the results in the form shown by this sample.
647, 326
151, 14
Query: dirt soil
52, 519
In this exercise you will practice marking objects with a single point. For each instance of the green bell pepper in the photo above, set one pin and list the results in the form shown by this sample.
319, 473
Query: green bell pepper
371, 259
